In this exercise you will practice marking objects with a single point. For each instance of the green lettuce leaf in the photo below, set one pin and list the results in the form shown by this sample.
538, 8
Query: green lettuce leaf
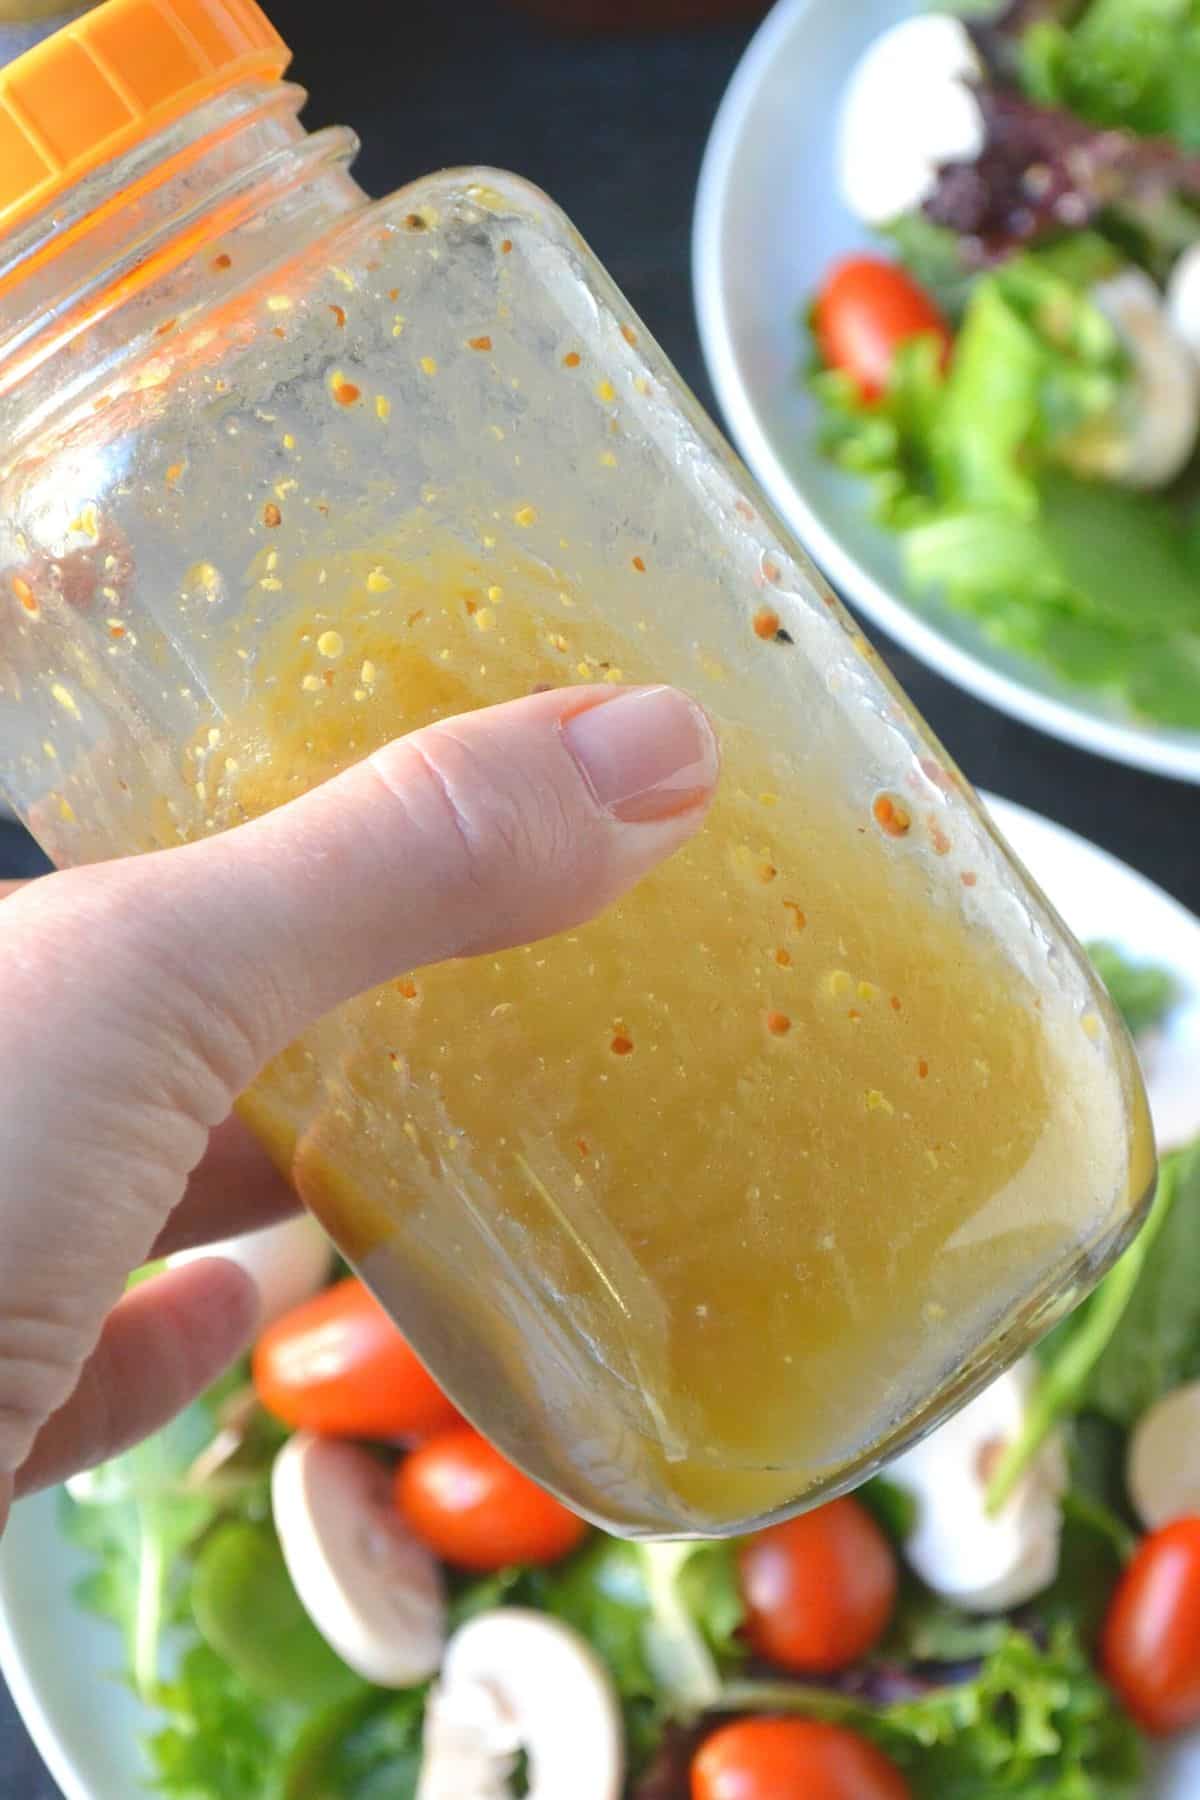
1099, 584
662, 1617
366, 1749
1142, 993
247, 1611
1155, 1345
1132, 1340
1033, 1722
137, 1525
1125, 63
221, 1739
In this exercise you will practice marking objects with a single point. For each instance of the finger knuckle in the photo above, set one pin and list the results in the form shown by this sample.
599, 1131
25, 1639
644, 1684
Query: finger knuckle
40, 1359
195, 1028
481, 831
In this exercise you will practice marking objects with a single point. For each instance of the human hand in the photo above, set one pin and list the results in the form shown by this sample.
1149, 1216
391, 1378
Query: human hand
140, 997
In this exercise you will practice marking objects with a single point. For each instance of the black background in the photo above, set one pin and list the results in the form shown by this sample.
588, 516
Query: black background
614, 129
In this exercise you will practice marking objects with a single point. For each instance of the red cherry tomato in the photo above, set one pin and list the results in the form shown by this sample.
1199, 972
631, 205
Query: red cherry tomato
473, 1508
793, 1759
337, 1364
1151, 1642
864, 311
819, 1590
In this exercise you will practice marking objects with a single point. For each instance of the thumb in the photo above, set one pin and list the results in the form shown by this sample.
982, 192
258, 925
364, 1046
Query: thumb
142, 996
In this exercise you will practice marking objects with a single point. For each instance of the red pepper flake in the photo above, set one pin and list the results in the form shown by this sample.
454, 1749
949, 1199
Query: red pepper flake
968, 878
346, 394
416, 617
25, 594
166, 326
937, 837
744, 510
506, 247
767, 872
272, 517
327, 677
629, 334
891, 817
223, 261
772, 573
766, 623
639, 565
783, 958
894, 1003
472, 606
799, 918
393, 294
581, 1145
479, 343
572, 359
339, 314
393, 1058
939, 776
174, 473
923, 1069
116, 631
278, 331
778, 1024
407, 988
854, 1014
621, 1045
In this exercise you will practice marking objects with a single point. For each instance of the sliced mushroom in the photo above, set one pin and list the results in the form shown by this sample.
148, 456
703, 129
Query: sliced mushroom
1154, 432
287, 1262
908, 108
1162, 1468
1183, 299
514, 1680
985, 1563
372, 1591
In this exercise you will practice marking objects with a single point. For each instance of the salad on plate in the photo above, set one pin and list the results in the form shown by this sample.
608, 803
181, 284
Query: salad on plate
329, 1585
1016, 369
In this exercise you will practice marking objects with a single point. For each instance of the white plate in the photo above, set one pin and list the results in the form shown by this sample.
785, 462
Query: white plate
58, 1661
768, 224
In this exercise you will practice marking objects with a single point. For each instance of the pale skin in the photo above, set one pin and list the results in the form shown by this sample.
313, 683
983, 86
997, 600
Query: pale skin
141, 997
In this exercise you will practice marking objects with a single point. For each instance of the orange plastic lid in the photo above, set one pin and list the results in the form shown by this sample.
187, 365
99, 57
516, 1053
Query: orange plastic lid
91, 91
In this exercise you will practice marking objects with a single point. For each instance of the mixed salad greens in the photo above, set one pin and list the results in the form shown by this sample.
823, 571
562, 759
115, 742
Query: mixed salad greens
1018, 376
329, 1586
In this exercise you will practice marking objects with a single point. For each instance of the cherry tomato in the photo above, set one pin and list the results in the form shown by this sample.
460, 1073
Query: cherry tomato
867, 308
786, 1759
473, 1508
337, 1364
819, 1590
1151, 1642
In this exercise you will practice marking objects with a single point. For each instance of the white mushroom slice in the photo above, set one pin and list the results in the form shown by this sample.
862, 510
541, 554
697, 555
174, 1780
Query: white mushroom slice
372, 1591
514, 1680
984, 1563
1162, 1468
1154, 433
287, 1262
1183, 299
908, 108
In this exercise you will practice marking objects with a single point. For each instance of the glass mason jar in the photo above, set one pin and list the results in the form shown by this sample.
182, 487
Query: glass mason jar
702, 1211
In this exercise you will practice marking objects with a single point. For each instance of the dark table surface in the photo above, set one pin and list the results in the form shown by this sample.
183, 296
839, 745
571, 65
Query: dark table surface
615, 129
